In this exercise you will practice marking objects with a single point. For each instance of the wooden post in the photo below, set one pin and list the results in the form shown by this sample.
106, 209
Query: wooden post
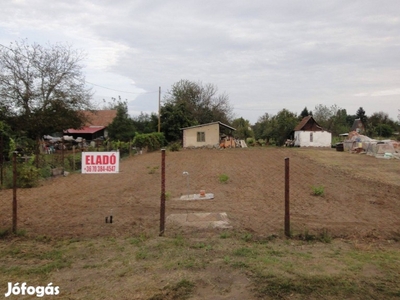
162, 206
287, 202
62, 155
73, 158
14, 203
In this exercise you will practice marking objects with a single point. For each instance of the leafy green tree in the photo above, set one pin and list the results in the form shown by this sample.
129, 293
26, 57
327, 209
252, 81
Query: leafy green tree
276, 128
173, 118
283, 125
322, 114
122, 128
338, 123
305, 113
243, 129
333, 119
189, 103
384, 130
263, 128
379, 124
146, 123
42, 89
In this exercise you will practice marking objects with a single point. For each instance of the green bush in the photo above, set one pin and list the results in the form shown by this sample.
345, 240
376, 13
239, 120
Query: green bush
27, 176
250, 142
123, 147
261, 142
223, 178
175, 146
318, 190
151, 141
45, 172
78, 162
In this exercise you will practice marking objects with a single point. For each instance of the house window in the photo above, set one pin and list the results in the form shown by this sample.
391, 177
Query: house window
201, 136
311, 137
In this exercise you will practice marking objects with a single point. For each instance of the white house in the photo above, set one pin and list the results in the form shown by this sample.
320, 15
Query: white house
308, 133
207, 135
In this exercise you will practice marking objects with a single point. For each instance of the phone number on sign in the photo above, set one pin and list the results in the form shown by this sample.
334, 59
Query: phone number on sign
100, 168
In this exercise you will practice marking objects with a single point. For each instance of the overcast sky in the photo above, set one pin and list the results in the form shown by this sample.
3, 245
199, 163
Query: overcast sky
265, 55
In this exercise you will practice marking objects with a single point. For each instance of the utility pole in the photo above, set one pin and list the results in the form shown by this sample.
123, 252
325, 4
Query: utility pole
159, 108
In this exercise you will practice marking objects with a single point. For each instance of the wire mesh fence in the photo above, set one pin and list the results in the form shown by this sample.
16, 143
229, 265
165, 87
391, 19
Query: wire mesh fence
336, 192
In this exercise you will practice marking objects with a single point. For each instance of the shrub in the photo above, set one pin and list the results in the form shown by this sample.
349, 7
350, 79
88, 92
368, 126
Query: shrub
27, 176
223, 178
250, 142
151, 141
123, 147
175, 146
77, 159
318, 190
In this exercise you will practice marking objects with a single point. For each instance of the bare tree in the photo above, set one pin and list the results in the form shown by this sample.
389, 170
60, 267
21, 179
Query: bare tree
42, 89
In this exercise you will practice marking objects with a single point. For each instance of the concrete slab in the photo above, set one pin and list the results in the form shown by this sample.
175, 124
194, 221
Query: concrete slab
201, 220
207, 196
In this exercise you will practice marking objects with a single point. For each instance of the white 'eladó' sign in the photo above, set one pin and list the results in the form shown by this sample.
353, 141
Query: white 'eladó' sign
100, 162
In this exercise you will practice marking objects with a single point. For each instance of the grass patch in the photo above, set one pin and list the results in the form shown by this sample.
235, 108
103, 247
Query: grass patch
318, 190
4, 233
244, 252
306, 286
324, 236
169, 267
224, 235
223, 178
180, 291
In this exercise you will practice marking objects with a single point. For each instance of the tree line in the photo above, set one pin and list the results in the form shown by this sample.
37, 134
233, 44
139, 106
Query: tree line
42, 90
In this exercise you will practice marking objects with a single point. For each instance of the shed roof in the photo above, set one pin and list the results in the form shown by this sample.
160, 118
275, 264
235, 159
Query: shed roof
208, 124
308, 123
99, 117
85, 129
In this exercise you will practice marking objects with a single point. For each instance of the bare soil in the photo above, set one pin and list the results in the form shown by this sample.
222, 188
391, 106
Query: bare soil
361, 194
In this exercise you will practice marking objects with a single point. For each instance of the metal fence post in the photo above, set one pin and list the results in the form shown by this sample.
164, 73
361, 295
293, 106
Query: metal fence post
287, 202
62, 155
14, 205
73, 158
162, 206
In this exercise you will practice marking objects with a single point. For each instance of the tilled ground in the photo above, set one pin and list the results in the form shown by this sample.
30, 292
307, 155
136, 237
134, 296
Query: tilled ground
355, 202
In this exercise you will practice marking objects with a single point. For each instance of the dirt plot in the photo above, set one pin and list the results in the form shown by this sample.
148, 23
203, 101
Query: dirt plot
361, 194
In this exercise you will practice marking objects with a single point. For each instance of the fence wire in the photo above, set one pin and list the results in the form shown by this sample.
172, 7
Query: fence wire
339, 194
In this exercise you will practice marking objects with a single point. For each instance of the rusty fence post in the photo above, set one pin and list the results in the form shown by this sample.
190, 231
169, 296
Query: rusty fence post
14, 203
287, 200
162, 206
73, 158
62, 155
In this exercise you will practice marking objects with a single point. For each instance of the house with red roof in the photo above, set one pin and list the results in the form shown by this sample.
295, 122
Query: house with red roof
96, 125
308, 133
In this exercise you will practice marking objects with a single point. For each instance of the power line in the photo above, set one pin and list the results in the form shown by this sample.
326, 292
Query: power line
255, 109
107, 88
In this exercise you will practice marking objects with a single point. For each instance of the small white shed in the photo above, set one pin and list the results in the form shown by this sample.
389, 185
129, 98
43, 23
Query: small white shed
308, 133
205, 135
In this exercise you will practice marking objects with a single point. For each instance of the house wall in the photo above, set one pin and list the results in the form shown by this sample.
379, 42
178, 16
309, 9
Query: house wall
211, 136
319, 139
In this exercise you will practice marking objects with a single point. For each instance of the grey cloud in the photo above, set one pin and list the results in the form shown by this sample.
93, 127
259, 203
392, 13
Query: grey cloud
264, 54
